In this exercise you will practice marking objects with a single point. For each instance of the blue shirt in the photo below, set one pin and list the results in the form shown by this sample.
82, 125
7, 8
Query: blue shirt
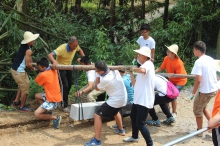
130, 89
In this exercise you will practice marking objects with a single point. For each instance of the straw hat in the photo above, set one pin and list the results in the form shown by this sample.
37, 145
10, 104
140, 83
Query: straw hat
216, 65
173, 48
29, 36
144, 51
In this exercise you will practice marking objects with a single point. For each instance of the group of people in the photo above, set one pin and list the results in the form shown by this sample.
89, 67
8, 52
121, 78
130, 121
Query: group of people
125, 91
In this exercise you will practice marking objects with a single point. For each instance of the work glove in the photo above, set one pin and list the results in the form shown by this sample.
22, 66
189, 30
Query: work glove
191, 96
134, 61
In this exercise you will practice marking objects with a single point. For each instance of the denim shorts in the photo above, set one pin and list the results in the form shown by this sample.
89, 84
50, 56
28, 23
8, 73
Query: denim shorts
49, 106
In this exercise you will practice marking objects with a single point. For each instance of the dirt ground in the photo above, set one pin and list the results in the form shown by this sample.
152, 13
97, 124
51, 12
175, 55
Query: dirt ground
23, 129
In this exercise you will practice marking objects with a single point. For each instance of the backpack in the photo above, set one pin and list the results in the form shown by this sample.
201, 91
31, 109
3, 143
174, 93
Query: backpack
172, 91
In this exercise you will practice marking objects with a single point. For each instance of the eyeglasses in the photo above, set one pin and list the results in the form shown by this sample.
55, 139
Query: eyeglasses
143, 31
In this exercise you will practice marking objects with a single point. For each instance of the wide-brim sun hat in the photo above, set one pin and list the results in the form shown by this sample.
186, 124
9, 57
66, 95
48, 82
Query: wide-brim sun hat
144, 51
216, 65
29, 36
173, 48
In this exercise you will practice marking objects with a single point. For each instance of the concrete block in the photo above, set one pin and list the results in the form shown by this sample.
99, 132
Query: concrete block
88, 110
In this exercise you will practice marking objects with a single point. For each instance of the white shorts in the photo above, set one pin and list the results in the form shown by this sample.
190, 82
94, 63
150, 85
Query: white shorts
49, 106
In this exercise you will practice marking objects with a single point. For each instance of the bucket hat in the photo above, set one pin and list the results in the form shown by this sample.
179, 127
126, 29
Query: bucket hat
29, 36
173, 48
144, 51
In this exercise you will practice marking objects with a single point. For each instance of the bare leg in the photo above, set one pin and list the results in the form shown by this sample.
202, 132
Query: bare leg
97, 126
174, 105
118, 120
39, 114
199, 121
207, 113
23, 99
18, 95
39, 98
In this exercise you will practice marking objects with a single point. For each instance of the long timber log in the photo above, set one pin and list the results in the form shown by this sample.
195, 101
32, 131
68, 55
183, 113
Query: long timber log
119, 67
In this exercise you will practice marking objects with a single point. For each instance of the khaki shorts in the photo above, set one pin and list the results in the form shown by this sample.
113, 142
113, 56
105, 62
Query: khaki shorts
21, 78
90, 96
201, 101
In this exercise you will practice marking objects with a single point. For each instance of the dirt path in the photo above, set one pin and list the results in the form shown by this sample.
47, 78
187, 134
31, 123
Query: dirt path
23, 129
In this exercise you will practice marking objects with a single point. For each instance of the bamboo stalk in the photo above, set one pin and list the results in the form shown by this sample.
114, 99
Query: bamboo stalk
171, 75
6, 89
3, 77
19, 21
20, 13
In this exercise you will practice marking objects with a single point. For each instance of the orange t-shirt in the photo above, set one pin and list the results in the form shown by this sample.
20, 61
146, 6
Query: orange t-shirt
216, 107
49, 79
175, 66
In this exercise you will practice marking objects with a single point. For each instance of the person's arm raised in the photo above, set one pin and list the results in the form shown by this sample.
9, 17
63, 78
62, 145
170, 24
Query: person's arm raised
28, 59
51, 58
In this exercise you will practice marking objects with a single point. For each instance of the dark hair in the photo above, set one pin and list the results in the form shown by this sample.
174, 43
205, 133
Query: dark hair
200, 45
85, 60
101, 65
72, 39
145, 27
43, 62
120, 63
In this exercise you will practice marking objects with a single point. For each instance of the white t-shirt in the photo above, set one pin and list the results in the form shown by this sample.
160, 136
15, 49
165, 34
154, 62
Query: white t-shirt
203, 68
114, 86
91, 75
161, 85
148, 42
144, 86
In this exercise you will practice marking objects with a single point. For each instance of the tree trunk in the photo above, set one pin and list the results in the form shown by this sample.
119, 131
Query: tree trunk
132, 5
165, 16
143, 9
112, 19
78, 7
22, 7
218, 45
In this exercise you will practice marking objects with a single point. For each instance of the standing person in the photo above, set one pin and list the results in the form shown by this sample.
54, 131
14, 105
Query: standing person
205, 85
52, 96
88, 93
111, 81
215, 120
173, 64
130, 94
143, 96
161, 99
64, 56
145, 40
22, 60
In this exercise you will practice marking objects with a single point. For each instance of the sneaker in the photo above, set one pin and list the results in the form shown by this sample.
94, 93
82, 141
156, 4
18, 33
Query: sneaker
16, 104
174, 115
56, 122
169, 120
115, 126
120, 132
25, 109
192, 131
131, 139
94, 142
153, 123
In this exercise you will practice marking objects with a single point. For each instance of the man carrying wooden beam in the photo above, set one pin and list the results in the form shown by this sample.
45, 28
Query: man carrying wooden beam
23, 58
111, 81
64, 56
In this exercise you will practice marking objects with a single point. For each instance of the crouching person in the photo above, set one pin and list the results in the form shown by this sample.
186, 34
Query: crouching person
112, 82
52, 96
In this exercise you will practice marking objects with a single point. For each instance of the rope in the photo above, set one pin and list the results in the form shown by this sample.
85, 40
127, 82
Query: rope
77, 89
61, 85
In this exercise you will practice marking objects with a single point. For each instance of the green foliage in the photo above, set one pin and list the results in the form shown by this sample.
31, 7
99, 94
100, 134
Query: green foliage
34, 88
